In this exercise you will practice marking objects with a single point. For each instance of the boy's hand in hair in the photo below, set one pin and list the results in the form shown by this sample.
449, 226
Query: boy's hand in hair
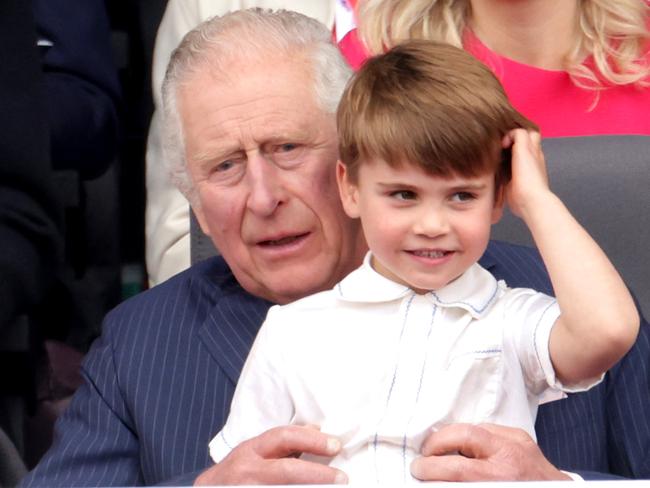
598, 320
528, 187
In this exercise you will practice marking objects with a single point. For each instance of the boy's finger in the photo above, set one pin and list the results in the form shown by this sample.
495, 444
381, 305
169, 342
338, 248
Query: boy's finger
535, 137
507, 141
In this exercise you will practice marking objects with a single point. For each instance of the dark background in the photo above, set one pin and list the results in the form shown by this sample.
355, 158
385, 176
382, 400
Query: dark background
134, 24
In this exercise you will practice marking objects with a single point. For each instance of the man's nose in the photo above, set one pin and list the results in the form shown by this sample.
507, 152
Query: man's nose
267, 190
431, 222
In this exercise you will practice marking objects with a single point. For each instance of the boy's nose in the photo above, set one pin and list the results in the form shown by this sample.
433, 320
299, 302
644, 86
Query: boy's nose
431, 223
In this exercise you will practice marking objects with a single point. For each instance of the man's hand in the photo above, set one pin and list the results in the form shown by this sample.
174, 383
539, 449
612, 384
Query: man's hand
485, 452
271, 459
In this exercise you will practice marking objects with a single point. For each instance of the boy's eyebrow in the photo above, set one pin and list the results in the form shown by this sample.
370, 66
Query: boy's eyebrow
469, 185
396, 184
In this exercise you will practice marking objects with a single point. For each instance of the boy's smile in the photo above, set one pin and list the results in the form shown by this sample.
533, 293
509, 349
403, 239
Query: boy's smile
424, 230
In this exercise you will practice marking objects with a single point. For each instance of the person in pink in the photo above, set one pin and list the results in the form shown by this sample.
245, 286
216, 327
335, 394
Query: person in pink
583, 71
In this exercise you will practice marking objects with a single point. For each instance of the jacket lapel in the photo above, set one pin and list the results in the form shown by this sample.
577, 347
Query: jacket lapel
230, 328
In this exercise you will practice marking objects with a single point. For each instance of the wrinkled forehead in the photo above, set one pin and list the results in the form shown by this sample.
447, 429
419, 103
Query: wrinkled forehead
241, 79
250, 106
229, 65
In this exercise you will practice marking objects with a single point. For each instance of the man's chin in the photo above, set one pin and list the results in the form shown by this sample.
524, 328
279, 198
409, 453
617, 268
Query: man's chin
294, 286
288, 294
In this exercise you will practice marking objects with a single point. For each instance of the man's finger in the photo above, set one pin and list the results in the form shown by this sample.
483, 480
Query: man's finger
284, 441
466, 439
290, 471
286, 471
454, 467
463, 452
505, 432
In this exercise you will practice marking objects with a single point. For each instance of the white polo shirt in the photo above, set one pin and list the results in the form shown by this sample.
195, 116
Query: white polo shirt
380, 367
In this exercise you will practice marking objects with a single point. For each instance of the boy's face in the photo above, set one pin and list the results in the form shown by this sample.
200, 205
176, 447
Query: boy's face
424, 231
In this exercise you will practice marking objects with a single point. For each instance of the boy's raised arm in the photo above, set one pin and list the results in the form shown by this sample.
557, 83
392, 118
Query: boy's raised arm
599, 321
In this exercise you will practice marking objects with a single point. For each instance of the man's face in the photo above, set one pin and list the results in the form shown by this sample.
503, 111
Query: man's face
424, 231
262, 157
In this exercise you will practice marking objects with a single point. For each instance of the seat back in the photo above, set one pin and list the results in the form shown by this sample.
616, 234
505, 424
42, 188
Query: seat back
201, 246
605, 183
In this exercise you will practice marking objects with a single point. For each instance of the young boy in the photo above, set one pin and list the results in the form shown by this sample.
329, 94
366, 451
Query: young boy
420, 335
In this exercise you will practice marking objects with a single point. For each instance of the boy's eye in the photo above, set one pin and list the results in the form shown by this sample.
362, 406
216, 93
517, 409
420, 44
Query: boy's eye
403, 195
463, 196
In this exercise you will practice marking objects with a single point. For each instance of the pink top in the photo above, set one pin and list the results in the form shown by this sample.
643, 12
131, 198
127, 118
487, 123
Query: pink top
558, 106
549, 98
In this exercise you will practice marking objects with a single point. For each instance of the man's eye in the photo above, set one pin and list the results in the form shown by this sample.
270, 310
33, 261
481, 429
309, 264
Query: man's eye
227, 172
463, 196
224, 166
403, 195
288, 155
287, 147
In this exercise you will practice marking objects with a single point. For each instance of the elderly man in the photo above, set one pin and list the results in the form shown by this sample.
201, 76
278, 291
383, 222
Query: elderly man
167, 214
253, 94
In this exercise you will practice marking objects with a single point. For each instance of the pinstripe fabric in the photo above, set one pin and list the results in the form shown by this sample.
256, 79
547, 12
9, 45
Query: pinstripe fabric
606, 429
160, 379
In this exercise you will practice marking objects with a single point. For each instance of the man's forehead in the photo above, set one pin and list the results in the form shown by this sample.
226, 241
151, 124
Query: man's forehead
281, 88
238, 128
236, 66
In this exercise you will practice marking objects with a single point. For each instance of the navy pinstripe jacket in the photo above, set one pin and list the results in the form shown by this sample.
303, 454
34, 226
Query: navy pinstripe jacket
160, 379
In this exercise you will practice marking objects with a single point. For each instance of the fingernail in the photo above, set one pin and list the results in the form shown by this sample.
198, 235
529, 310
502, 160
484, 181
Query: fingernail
341, 478
333, 445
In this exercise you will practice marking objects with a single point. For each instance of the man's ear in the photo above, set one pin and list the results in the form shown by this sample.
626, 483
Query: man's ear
499, 203
348, 191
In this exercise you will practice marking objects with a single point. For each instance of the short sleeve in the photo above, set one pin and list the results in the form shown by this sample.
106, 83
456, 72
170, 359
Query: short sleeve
261, 400
530, 317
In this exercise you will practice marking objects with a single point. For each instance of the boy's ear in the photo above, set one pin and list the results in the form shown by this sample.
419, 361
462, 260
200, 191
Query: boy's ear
499, 203
348, 191
500, 193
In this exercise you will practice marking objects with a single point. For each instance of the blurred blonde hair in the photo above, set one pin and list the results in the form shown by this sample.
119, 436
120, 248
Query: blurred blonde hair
615, 33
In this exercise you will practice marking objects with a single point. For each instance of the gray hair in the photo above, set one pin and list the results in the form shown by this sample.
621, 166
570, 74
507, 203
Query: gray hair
246, 34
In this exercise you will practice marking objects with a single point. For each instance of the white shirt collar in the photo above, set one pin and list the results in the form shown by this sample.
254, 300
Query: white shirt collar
474, 291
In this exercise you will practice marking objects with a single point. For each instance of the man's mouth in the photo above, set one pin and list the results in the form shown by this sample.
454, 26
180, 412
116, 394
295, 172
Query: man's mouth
282, 241
430, 254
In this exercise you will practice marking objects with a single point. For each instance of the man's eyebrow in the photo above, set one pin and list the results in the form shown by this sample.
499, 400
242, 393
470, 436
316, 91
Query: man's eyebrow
211, 154
282, 136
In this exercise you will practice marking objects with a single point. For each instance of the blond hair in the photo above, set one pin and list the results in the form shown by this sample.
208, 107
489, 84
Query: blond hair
429, 104
615, 33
